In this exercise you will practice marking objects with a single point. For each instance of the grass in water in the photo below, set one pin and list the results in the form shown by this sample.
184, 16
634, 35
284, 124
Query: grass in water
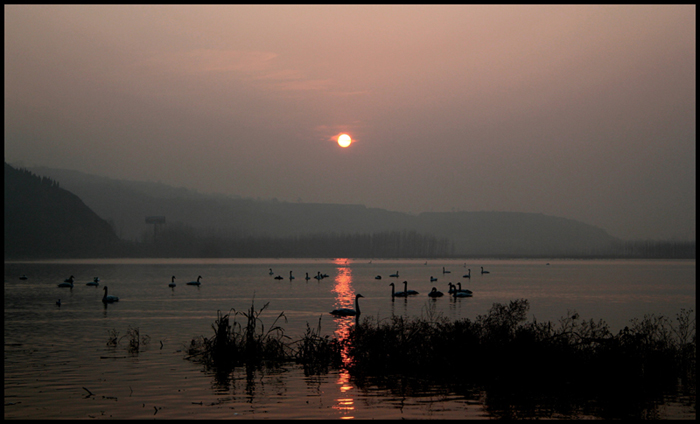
565, 363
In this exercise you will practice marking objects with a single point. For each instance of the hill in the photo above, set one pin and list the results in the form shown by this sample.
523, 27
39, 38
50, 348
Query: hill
125, 204
44, 220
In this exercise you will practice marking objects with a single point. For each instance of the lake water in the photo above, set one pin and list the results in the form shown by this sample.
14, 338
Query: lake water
54, 353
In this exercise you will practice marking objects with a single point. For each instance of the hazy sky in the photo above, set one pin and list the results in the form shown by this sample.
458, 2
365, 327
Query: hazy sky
583, 112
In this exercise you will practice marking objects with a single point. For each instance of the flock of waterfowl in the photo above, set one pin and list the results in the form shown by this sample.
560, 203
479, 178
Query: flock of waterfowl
454, 290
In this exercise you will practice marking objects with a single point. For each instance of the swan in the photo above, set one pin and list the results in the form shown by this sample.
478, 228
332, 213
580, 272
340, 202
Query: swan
397, 294
172, 282
463, 290
109, 298
378, 277
271, 273
395, 275
432, 279
445, 272
346, 312
195, 283
452, 289
24, 277
461, 294
318, 275
484, 272
408, 292
279, 277
324, 275
94, 282
307, 278
68, 282
435, 293
468, 274
291, 277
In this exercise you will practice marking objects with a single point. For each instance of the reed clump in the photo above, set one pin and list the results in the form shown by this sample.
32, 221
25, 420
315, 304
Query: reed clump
501, 351
237, 343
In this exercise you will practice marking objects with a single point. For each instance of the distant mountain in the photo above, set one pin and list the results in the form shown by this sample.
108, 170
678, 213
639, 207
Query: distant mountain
125, 204
43, 220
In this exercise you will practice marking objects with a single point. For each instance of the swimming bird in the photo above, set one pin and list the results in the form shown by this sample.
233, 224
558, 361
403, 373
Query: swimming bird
347, 312
408, 292
395, 275
444, 271
24, 277
195, 283
378, 277
468, 274
432, 279
318, 275
452, 289
271, 273
484, 272
172, 282
291, 277
109, 298
307, 278
279, 277
435, 293
94, 282
68, 282
461, 294
397, 294
463, 290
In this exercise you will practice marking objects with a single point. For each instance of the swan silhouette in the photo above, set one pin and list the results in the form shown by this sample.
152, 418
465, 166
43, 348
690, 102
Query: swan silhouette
279, 277
24, 277
109, 298
195, 283
172, 282
461, 294
307, 278
432, 279
468, 274
347, 312
395, 275
94, 282
463, 290
397, 294
318, 275
408, 292
445, 272
271, 273
68, 282
435, 293
378, 277
484, 272
291, 277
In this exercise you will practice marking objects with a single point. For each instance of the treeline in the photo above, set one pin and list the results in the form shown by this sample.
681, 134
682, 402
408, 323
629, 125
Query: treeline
184, 241
647, 249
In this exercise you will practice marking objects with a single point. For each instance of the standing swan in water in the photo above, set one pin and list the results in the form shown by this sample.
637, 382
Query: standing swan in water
406, 290
397, 294
172, 282
195, 283
347, 312
109, 298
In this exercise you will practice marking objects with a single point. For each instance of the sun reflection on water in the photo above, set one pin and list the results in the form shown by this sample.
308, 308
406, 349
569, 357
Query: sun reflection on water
345, 298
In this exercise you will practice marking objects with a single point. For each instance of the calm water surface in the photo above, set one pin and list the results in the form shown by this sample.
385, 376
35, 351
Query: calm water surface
52, 353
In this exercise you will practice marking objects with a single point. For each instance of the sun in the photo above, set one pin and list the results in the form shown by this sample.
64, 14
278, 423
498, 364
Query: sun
344, 140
